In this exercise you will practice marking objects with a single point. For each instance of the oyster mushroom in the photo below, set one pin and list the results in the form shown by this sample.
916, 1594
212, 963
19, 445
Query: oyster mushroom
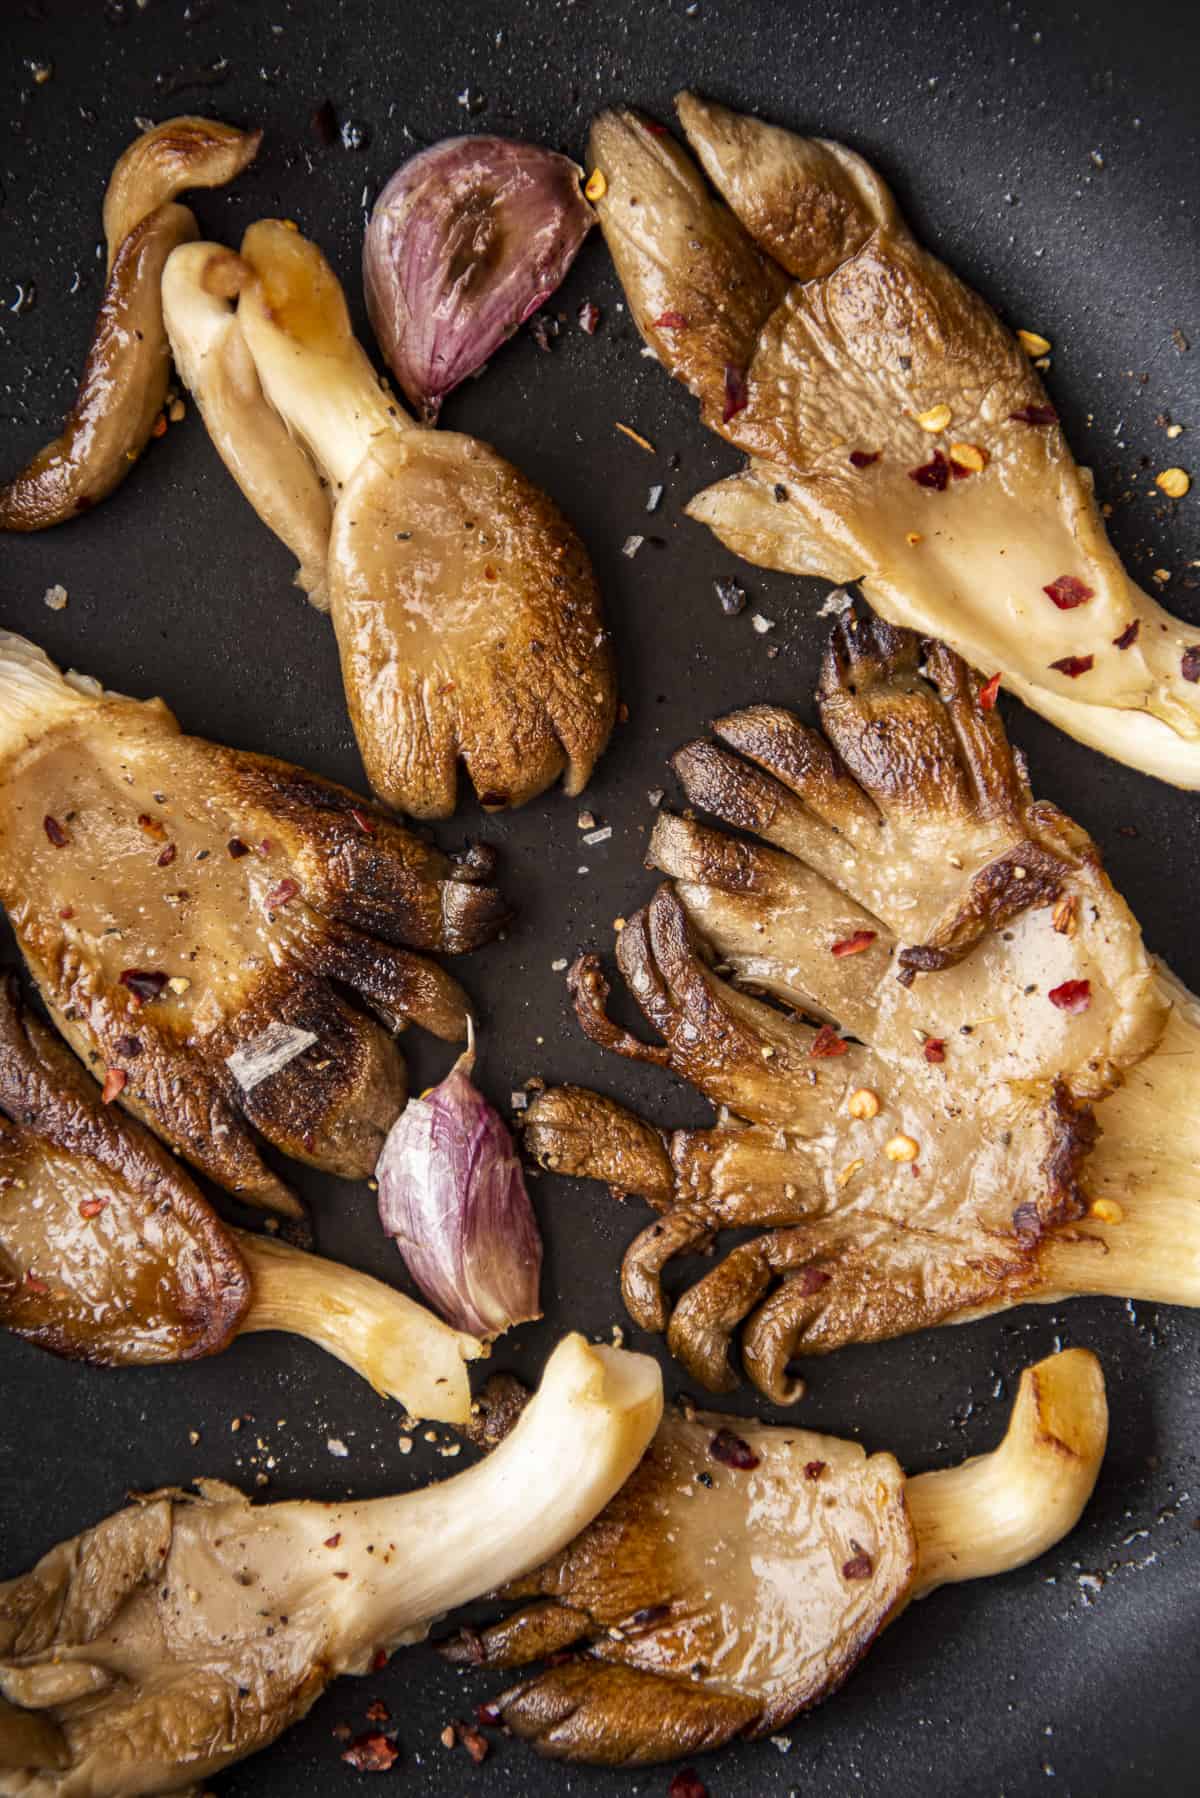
743, 1572
932, 1164
898, 433
110, 1254
182, 1634
466, 612
125, 376
192, 915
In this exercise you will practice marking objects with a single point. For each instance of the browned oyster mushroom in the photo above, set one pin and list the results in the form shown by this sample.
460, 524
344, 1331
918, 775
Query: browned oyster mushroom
192, 916
466, 611
898, 433
743, 1572
125, 376
110, 1254
930, 1164
182, 1634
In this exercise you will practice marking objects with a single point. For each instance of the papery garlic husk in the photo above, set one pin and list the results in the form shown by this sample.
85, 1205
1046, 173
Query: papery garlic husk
467, 239
452, 1196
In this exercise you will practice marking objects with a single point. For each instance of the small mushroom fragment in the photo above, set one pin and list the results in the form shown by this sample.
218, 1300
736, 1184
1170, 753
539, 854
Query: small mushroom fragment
466, 611
125, 376
743, 1572
925, 1150
898, 433
182, 1634
110, 1254
194, 915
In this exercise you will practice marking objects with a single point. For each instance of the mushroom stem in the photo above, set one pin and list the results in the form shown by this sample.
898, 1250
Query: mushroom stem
312, 367
399, 1346
999, 1510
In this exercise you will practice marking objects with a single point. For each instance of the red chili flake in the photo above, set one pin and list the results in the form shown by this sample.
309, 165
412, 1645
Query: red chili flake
827, 1042
115, 1081
237, 848
35, 1283
854, 945
488, 1714
378, 1712
283, 893
55, 832
379, 1660
669, 321
1035, 415
935, 1049
1128, 635
151, 826
332, 1541
988, 692
737, 394
589, 317
935, 473
1072, 995
654, 128
861, 1567
811, 1280
365, 823
1074, 666
1067, 592
167, 857
476, 1745
144, 983
1189, 665
92, 1207
687, 1784
67, 912
128, 1045
372, 1753
732, 1451
340, 1573
813, 1469
159, 427
864, 458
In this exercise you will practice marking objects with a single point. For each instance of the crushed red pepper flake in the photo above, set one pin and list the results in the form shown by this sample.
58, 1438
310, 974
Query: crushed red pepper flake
151, 826
35, 1283
813, 1469
372, 1752
854, 945
237, 848
935, 1049
378, 1712
1035, 415
333, 1541
733, 1451
476, 1745
115, 1082
669, 321
826, 1043
860, 1567
737, 394
379, 1660
687, 1784
988, 692
934, 474
1072, 995
283, 894
365, 824
810, 1280
166, 857
143, 984
54, 830
89, 1208
589, 317
1067, 592
1129, 635
864, 458
488, 1714
1189, 665
1074, 666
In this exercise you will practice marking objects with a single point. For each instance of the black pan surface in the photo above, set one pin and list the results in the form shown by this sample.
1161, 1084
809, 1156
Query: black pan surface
1053, 156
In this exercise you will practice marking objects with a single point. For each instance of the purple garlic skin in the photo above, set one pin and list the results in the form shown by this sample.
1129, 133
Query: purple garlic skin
452, 1196
467, 239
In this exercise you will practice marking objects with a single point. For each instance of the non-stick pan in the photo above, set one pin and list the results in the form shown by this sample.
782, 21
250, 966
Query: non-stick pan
1052, 154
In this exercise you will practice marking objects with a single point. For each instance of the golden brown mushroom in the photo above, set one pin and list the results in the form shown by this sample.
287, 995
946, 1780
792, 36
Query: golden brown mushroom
125, 376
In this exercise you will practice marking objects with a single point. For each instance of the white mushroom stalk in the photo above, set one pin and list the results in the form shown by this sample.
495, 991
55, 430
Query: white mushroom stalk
1002, 1509
400, 1347
129, 1641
